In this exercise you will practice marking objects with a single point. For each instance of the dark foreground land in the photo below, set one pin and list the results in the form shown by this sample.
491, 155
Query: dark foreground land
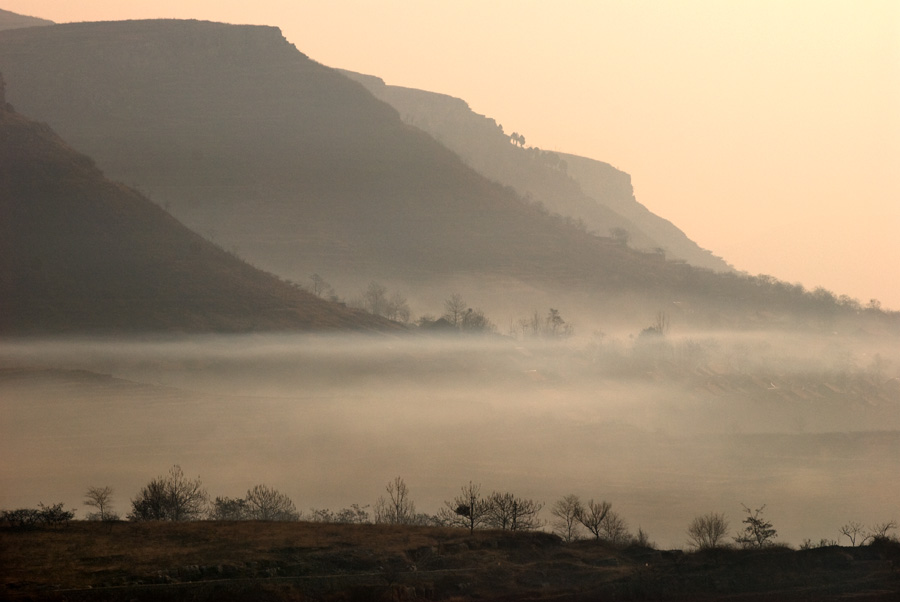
332, 562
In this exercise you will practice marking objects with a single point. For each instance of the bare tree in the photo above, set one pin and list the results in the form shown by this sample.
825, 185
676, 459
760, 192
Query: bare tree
397, 509
266, 503
321, 288
643, 539
397, 308
188, 498
508, 512
880, 531
758, 532
566, 512
172, 497
101, 499
467, 509
853, 531
593, 515
454, 309
707, 531
375, 299
614, 529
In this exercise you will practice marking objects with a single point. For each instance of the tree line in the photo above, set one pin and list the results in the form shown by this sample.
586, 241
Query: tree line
175, 497
457, 316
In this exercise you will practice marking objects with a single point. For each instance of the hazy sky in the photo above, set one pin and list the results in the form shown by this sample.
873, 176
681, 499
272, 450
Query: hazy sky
769, 131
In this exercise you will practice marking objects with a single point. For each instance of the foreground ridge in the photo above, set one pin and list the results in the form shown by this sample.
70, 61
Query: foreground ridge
316, 561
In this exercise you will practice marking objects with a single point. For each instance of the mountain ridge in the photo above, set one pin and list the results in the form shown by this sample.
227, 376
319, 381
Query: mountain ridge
596, 193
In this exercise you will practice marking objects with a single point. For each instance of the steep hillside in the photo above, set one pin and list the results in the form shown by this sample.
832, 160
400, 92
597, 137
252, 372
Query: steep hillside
612, 188
11, 20
301, 170
596, 193
81, 254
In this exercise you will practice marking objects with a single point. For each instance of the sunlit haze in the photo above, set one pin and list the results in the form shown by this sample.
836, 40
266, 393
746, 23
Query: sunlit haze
768, 131
331, 419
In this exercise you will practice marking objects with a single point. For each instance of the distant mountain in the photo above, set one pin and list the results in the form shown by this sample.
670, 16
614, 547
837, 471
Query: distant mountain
301, 170
10, 20
596, 193
81, 254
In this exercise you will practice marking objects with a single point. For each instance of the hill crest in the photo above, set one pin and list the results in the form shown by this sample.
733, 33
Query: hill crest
596, 193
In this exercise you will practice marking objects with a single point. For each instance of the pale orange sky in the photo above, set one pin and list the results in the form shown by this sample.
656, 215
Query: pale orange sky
769, 131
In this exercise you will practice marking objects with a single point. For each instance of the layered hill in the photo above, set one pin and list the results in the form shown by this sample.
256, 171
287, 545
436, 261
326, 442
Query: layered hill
301, 170
81, 254
595, 193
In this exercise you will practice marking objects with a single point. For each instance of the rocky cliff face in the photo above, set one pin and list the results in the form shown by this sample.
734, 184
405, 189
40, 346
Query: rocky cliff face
596, 193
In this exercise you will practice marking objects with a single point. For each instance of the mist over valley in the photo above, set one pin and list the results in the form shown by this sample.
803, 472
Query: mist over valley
664, 430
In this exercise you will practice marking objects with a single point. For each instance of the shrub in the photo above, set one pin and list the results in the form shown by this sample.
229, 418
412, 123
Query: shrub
25, 518
21, 518
55, 514
172, 497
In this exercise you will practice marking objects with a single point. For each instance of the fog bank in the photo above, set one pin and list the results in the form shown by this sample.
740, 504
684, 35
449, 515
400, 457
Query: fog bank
664, 428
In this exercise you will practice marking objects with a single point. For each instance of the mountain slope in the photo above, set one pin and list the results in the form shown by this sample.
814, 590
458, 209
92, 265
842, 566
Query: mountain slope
302, 170
596, 193
246, 139
79, 253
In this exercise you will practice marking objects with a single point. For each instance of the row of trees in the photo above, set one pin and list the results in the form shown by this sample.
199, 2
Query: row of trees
260, 503
379, 300
571, 518
548, 326
51, 515
376, 299
175, 497
710, 530
459, 315
499, 510
860, 535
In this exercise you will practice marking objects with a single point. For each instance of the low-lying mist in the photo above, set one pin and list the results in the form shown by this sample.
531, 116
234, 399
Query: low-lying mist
664, 427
